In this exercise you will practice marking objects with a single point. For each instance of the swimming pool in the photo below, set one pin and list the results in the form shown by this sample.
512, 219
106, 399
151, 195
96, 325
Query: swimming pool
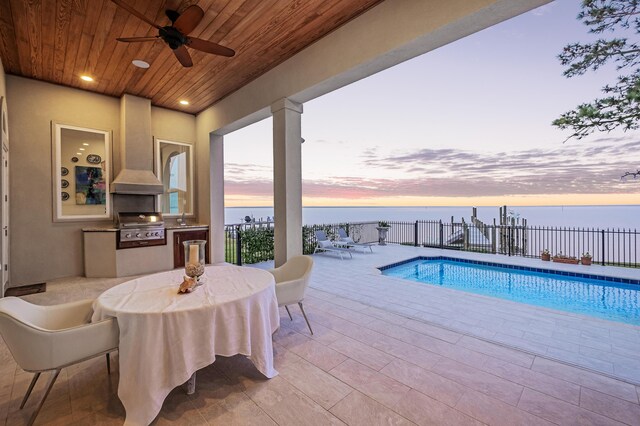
615, 299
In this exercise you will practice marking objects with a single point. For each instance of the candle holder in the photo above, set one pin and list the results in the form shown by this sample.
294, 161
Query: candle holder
194, 259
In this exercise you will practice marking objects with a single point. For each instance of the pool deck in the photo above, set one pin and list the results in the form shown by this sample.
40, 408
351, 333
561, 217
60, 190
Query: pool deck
607, 347
366, 365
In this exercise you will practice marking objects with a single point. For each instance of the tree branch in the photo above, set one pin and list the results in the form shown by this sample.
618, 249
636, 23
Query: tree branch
630, 174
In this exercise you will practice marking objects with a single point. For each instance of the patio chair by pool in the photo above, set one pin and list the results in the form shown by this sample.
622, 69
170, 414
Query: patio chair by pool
292, 280
326, 245
348, 241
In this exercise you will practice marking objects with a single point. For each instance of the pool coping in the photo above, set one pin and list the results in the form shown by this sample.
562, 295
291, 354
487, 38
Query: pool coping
617, 280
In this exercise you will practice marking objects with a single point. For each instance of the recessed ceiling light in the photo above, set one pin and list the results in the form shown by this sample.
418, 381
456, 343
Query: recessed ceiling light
140, 63
86, 78
183, 102
85, 144
78, 153
81, 149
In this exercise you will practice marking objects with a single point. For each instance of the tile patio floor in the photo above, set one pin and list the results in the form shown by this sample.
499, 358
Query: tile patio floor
371, 361
612, 348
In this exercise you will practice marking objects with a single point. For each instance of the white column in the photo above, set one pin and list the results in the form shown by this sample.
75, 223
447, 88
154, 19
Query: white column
287, 179
216, 198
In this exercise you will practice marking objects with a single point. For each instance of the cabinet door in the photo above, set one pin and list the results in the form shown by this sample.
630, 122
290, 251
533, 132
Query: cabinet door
178, 247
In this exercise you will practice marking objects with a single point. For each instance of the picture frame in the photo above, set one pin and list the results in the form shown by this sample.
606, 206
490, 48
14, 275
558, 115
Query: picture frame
67, 157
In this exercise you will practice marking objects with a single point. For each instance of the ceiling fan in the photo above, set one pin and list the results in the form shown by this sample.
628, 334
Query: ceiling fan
176, 35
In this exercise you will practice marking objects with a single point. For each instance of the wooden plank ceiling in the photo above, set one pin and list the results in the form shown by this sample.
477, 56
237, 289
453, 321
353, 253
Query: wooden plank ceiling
59, 40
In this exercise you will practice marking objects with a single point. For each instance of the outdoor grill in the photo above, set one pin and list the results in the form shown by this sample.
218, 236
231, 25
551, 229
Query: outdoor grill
140, 229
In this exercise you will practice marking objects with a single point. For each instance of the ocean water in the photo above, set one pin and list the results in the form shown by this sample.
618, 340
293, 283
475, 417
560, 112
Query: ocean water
624, 217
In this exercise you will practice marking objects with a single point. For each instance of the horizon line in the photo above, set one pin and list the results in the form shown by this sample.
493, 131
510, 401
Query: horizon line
442, 206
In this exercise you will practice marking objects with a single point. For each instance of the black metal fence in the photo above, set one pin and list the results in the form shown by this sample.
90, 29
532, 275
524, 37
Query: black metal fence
253, 242
619, 247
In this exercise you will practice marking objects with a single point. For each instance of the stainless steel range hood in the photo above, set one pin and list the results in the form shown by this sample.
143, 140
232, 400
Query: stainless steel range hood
136, 149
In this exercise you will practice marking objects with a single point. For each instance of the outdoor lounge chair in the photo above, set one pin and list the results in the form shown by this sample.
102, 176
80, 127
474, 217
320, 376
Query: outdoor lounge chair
326, 245
348, 241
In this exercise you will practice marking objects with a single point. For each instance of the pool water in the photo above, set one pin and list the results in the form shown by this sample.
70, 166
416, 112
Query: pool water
582, 294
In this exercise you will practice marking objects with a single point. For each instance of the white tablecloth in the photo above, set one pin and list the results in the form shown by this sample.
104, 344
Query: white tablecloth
165, 337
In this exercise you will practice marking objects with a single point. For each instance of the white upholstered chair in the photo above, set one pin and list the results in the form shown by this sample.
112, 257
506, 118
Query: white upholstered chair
49, 338
292, 280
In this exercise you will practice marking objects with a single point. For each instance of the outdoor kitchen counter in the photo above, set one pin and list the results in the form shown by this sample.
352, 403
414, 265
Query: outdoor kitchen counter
189, 226
103, 260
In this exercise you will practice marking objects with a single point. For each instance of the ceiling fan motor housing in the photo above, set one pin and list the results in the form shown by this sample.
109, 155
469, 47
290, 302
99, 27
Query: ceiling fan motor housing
172, 37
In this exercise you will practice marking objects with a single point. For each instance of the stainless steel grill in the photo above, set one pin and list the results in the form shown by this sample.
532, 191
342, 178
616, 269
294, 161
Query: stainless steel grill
140, 229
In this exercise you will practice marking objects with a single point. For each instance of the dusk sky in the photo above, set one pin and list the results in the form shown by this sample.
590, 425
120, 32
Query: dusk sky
466, 124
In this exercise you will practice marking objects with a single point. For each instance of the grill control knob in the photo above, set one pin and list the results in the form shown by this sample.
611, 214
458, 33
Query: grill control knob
148, 234
157, 234
127, 235
138, 235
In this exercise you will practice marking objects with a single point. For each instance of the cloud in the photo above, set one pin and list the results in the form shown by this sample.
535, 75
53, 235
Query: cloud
584, 168
246, 172
593, 166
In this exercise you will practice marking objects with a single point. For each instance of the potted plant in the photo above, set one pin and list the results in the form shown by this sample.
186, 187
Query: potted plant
383, 228
561, 258
545, 255
585, 259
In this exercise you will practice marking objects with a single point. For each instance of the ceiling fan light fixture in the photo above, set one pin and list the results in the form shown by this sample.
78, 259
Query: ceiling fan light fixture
176, 35
183, 102
86, 78
140, 63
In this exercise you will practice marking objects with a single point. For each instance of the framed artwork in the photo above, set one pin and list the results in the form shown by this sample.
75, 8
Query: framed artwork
85, 183
91, 187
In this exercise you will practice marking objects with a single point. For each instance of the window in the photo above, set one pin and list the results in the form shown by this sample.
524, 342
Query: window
175, 171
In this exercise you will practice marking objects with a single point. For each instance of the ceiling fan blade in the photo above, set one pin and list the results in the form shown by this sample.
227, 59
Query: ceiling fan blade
137, 39
209, 47
183, 56
134, 12
189, 19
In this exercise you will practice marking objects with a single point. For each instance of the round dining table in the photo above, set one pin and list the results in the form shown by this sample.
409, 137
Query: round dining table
165, 337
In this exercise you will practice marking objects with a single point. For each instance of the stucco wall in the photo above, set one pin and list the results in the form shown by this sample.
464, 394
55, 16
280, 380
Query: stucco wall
42, 250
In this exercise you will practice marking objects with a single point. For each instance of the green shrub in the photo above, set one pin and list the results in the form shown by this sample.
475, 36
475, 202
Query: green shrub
257, 244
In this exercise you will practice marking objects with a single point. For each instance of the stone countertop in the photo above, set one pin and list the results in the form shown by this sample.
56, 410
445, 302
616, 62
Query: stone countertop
170, 227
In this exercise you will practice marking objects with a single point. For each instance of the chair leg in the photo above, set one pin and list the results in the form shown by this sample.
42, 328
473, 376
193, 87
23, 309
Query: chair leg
52, 380
287, 308
33, 383
108, 364
305, 317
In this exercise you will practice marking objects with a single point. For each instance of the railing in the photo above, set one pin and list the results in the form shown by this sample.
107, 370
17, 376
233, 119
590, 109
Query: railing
253, 242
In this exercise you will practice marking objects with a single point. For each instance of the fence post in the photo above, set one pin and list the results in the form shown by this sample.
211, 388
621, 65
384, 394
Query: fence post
415, 234
493, 239
441, 235
238, 246
603, 244
509, 240
465, 234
